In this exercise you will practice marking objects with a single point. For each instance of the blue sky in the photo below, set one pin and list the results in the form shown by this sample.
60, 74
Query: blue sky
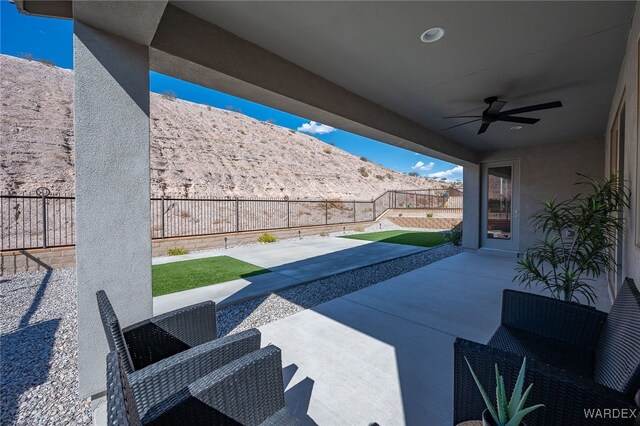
46, 38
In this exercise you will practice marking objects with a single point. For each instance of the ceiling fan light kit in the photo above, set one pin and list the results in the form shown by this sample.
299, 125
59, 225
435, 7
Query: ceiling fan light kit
494, 113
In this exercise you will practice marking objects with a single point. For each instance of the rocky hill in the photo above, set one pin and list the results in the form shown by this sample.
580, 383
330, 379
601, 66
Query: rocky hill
196, 150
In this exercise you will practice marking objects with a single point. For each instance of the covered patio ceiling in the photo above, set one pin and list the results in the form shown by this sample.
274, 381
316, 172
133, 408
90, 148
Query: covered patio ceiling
523, 52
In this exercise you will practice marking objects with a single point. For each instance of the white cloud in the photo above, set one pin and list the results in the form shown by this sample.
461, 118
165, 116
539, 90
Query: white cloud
446, 173
315, 128
420, 165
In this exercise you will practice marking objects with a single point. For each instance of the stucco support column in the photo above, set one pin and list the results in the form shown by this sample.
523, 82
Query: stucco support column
471, 207
111, 122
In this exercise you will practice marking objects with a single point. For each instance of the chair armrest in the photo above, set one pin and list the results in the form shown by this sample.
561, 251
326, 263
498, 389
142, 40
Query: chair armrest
566, 396
568, 322
162, 336
248, 390
155, 383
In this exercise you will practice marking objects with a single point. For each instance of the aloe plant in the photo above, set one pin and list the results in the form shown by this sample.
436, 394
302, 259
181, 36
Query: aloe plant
511, 412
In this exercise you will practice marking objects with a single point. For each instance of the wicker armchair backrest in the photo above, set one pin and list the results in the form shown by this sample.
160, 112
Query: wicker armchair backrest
121, 406
113, 332
617, 363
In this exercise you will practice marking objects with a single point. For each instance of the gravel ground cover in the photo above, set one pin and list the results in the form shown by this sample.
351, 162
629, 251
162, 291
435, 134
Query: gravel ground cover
38, 340
257, 312
38, 350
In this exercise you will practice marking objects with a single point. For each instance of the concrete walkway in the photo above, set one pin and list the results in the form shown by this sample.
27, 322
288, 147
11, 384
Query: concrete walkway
292, 262
385, 353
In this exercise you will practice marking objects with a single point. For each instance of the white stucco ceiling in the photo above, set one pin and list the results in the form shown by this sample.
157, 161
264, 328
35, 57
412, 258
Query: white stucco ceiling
523, 52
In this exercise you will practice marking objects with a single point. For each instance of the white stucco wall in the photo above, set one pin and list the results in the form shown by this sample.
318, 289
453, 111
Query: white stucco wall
627, 93
113, 217
548, 171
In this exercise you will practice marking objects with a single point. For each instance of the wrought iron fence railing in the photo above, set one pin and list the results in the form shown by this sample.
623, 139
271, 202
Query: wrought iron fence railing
42, 220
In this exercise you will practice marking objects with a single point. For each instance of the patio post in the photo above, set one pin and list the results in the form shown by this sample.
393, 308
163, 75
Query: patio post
113, 216
471, 207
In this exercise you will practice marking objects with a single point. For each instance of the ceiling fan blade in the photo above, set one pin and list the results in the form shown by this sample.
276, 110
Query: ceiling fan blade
464, 116
495, 107
461, 124
483, 128
531, 108
523, 120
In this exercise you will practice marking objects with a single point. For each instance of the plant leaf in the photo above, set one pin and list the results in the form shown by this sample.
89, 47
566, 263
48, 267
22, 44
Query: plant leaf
516, 395
485, 397
515, 421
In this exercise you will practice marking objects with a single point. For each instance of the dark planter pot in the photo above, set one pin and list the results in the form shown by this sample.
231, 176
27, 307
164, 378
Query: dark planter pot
487, 420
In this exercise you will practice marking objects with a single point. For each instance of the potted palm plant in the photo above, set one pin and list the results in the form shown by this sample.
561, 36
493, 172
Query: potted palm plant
579, 237
507, 412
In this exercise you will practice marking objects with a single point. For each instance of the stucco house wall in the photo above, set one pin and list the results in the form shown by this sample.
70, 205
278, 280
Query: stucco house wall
627, 92
548, 171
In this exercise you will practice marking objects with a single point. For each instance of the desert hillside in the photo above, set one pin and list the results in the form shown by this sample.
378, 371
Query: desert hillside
196, 150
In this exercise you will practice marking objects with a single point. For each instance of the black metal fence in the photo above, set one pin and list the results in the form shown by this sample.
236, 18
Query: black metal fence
43, 220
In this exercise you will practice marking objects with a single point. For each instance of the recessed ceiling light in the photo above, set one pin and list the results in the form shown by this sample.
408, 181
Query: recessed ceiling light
516, 127
432, 34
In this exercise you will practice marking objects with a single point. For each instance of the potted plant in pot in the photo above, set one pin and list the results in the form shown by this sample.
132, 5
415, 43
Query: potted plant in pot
580, 235
509, 412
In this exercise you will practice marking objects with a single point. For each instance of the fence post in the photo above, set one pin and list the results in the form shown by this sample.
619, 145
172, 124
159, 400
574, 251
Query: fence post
354, 210
43, 192
326, 212
288, 213
237, 215
374, 210
162, 216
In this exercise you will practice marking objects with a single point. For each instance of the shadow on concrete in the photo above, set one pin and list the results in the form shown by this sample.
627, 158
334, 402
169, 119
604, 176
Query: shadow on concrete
291, 274
298, 397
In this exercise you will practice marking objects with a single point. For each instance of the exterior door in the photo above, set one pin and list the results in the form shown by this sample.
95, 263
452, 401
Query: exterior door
500, 205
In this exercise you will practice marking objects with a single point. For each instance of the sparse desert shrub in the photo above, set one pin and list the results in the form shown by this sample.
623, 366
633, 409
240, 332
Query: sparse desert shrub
169, 95
208, 108
363, 172
326, 150
414, 174
47, 62
429, 215
454, 235
267, 238
27, 56
358, 229
365, 159
379, 177
324, 234
177, 251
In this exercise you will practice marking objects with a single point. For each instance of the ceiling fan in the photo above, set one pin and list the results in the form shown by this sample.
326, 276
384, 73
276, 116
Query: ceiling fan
494, 113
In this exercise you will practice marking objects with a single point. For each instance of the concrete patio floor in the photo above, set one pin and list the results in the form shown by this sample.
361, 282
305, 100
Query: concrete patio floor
291, 263
385, 353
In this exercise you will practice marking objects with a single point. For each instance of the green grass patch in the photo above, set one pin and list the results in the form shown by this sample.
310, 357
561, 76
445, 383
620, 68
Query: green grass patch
411, 238
188, 274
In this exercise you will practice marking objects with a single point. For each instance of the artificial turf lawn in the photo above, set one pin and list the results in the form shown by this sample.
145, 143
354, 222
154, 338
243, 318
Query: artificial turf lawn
412, 238
188, 274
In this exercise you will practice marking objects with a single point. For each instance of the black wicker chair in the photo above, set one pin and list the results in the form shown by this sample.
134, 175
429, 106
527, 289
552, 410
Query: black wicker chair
578, 359
248, 391
166, 353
